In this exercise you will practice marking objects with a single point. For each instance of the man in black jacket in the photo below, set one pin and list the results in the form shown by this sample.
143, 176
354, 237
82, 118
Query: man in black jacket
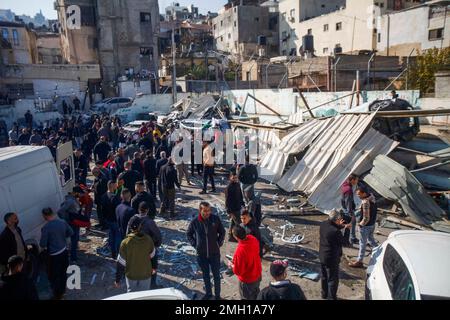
280, 288
124, 212
248, 175
81, 164
206, 234
143, 196
16, 285
110, 201
100, 187
159, 164
168, 179
101, 150
330, 252
150, 173
233, 203
11, 240
129, 178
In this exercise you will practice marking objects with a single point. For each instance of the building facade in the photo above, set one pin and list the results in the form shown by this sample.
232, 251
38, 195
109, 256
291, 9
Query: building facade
431, 23
243, 30
49, 48
18, 43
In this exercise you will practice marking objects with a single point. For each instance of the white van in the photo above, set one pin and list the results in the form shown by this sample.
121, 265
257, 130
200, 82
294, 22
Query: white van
30, 181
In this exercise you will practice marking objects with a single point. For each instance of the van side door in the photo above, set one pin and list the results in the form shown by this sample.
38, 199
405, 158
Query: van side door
65, 166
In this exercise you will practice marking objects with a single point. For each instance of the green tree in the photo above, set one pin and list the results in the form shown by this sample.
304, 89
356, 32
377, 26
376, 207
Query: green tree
421, 74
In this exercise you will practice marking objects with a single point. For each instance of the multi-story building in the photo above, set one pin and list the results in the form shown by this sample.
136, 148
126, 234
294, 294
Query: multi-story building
18, 43
431, 23
336, 26
244, 29
120, 36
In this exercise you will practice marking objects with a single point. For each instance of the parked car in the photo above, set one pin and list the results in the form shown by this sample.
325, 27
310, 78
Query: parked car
111, 104
410, 265
134, 126
159, 294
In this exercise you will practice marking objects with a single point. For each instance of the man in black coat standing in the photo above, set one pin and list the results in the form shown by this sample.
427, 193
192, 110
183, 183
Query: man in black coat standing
330, 252
150, 173
143, 196
233, 203
11, 240
159, 164
206, 234
129, 177
101, 150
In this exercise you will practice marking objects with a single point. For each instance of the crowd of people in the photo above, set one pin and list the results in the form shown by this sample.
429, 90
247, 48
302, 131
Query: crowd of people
134, 172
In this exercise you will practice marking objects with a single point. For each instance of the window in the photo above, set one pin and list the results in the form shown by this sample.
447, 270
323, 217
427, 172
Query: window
338, 26
221, 23
435, 34
325, 50
5, 34
235, 45
15, 35
146, 17
221, 39
235, 24
325, 27
397, 276
256, 19
229, 36
292, 13
215, 26
309, 32
379, 37
66, 171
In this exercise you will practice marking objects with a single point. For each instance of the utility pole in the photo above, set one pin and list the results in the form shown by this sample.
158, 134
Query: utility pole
174, 67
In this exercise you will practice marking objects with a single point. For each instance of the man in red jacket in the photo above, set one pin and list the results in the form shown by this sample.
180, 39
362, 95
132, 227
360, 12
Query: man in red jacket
246, 264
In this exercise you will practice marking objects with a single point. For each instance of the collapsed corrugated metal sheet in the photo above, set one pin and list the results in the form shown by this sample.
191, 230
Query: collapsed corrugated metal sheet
325, 153
295, 118
359, 160
198, 108
394, 182
273, 163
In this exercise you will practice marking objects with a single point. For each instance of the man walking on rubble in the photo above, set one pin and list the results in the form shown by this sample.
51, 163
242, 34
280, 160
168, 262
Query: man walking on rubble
233, 203
348, 205
366, 224
330, 252
248, 176
208, 167
206, 234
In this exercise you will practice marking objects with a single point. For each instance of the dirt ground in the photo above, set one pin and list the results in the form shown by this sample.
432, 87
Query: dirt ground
177, 264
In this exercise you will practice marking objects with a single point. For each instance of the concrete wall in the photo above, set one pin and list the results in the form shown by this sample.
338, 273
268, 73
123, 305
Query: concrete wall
131, 89
435, 103
442, 84
406, 31
23, 51
51, 72
287, 102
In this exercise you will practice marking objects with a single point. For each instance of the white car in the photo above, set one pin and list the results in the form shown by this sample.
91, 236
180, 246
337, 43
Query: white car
111, 104
159, 294
134, 126
410, 265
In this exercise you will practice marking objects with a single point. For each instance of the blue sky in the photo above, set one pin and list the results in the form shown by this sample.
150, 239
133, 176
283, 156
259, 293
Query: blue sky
32, 7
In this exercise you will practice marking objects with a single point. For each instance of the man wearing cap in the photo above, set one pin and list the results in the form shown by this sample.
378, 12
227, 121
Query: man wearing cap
150, 228
134, 260
281, 288
206, 234
366, 224
246, 264
330, 252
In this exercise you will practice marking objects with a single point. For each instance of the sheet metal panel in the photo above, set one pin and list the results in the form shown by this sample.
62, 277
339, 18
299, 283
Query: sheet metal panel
359, 160
328, 149
394, 182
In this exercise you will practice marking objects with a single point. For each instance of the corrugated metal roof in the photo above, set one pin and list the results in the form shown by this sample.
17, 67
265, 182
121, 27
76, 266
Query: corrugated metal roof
359, 160
394, 182
273, 163
325, 153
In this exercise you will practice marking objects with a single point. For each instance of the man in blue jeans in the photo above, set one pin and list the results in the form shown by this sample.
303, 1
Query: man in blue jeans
348, 205
366, 224
206, 234
110, 201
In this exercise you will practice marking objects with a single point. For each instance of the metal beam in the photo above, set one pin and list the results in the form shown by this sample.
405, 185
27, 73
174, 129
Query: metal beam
306, 104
